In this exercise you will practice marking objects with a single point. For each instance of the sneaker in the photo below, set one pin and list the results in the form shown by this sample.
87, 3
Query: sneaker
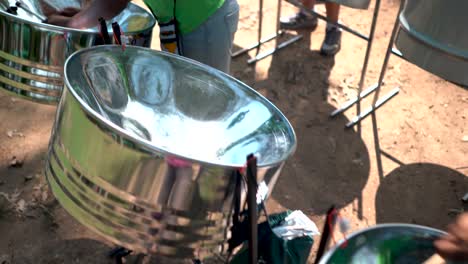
299, 20
332, 43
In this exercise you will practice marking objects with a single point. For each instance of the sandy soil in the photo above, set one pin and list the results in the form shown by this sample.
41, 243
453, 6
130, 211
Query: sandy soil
408, 163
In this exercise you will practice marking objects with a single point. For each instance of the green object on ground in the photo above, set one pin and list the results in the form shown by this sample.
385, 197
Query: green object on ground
276, 250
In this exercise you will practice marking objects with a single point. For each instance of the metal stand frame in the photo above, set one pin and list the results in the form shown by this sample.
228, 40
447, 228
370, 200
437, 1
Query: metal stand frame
252, 207
376, 102
327, 232
375, 87
278, 46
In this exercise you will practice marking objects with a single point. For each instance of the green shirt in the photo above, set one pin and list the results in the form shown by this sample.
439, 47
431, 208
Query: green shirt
189, 13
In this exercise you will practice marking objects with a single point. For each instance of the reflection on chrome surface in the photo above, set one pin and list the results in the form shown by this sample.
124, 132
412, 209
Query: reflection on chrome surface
192, 111
386, 243
32, 53
147, 147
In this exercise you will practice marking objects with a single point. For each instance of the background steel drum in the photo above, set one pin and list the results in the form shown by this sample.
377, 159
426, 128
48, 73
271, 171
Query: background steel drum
385, 244
433, 35
147, 145
32, 54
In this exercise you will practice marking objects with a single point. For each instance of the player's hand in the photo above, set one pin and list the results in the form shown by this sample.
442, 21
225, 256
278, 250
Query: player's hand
63, 18
454, 245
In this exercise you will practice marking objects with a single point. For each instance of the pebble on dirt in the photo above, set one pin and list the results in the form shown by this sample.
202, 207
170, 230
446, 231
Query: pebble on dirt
15, 162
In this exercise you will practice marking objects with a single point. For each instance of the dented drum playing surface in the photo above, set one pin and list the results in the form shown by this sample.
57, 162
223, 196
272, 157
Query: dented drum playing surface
32, 53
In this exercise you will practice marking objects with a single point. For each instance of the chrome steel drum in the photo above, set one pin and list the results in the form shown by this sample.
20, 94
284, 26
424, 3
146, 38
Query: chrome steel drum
359, 4
146, 147
433, 35
385, 244
32, 54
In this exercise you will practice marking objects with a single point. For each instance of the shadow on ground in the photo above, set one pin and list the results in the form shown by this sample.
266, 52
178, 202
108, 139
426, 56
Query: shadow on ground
420, 193
331, 164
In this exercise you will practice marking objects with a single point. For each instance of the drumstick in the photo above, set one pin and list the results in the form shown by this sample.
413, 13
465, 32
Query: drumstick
434, 259
39, 16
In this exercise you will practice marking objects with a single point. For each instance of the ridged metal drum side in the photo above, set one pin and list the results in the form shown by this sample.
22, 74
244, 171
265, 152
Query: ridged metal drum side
32, 54
24, 69
136, 198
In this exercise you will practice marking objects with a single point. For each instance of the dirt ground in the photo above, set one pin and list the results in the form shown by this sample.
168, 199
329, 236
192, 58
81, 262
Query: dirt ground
408, 163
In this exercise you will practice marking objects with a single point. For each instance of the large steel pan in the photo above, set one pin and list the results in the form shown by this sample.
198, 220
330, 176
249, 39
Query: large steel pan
146, 146
433, 35
385, 244
32, 53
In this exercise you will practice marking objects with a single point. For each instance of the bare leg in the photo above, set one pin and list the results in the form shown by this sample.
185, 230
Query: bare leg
333, 11
308, 3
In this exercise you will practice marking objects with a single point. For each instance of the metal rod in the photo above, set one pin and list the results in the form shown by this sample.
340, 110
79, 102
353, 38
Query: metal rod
260, 41
397, 53
361, 94
253, 46
322, 17
367, 56
376, 103
252, 207
271, 51
40, 17
372, 88
387, 55
351, 102
371, 109
330, 218
278, 15
260, 23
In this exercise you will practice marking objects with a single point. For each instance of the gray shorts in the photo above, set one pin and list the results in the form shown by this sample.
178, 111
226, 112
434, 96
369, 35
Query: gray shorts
211, 42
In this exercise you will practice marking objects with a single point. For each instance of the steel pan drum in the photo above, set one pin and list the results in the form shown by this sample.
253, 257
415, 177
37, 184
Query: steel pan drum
385, 244
146, 146
433, 35
32, 53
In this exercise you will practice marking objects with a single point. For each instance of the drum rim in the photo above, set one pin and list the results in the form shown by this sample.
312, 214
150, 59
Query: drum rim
330, 252
148, 144
84, 31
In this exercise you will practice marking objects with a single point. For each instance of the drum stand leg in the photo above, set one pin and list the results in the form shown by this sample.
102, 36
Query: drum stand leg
324, 18
343, 26
260, 56
252, 208
370, 39
363, 94
328, 228
376, 102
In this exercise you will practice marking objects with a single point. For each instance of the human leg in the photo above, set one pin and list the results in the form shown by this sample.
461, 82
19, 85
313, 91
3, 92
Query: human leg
332, 43
211, 42
301, 20
333, 11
